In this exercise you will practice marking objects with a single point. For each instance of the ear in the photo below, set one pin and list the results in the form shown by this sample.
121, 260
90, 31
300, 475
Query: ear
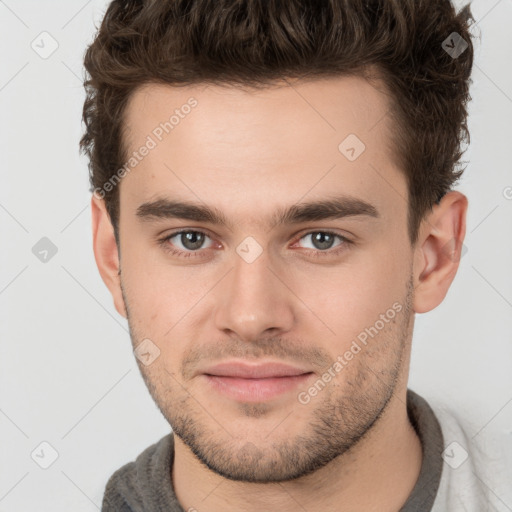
105, 252
438, 251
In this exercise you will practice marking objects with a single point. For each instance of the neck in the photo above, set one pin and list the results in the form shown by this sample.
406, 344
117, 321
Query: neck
378, 473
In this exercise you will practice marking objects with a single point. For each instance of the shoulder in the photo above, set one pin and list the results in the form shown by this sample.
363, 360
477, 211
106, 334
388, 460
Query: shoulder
131, 487
477, 463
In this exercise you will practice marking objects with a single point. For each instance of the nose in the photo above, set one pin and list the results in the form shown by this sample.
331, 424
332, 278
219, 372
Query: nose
254, 300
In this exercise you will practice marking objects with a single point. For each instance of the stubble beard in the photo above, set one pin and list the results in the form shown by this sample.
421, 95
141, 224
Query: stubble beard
341, 416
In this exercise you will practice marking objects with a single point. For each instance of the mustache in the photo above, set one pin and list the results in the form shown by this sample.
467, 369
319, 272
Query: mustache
277, 348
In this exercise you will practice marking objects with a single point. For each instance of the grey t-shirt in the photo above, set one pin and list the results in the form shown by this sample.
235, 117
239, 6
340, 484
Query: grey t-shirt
145, 485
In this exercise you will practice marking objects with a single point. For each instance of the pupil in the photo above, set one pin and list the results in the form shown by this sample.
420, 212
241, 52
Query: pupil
319, 240
192, 240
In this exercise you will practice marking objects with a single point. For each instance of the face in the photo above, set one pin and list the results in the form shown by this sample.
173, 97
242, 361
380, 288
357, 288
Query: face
310, 267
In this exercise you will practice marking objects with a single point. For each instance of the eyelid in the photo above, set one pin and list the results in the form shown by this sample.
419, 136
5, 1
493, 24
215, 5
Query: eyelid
298, 237
343, 246
337, 250
179, 231
329, 231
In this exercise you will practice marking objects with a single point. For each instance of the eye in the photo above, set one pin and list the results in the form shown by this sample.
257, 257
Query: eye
322, 241
187, 242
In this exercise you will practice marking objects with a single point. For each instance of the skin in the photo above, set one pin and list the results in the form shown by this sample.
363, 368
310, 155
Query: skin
248, 153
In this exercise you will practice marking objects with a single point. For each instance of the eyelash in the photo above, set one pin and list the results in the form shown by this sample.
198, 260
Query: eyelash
163, 242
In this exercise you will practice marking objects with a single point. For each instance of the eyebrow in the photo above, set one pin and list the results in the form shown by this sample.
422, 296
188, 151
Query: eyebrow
334, 208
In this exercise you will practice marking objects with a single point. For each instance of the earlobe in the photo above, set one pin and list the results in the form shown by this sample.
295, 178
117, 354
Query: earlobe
439, 251
106, 252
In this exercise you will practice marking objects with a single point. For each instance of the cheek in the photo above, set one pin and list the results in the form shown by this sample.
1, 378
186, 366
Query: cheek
351, 297
161, 295
347, 297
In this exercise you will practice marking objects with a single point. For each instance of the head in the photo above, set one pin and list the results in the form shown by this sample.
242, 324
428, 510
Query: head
274, 182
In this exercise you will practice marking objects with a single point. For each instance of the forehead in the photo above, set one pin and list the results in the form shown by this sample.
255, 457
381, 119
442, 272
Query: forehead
324, 105
279, 144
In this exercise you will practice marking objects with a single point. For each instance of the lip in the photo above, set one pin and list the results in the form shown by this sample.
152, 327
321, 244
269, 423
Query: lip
245, 370
254, 383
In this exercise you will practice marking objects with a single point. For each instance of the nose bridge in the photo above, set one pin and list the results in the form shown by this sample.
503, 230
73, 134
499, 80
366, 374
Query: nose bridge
251, 278
253, 300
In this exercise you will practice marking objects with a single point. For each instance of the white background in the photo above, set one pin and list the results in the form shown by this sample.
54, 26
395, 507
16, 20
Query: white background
68, 376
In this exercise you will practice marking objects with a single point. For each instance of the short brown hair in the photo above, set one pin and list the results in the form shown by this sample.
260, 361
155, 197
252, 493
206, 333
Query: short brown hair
256, 42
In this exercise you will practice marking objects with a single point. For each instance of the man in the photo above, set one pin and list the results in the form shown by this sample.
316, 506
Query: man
272, 205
